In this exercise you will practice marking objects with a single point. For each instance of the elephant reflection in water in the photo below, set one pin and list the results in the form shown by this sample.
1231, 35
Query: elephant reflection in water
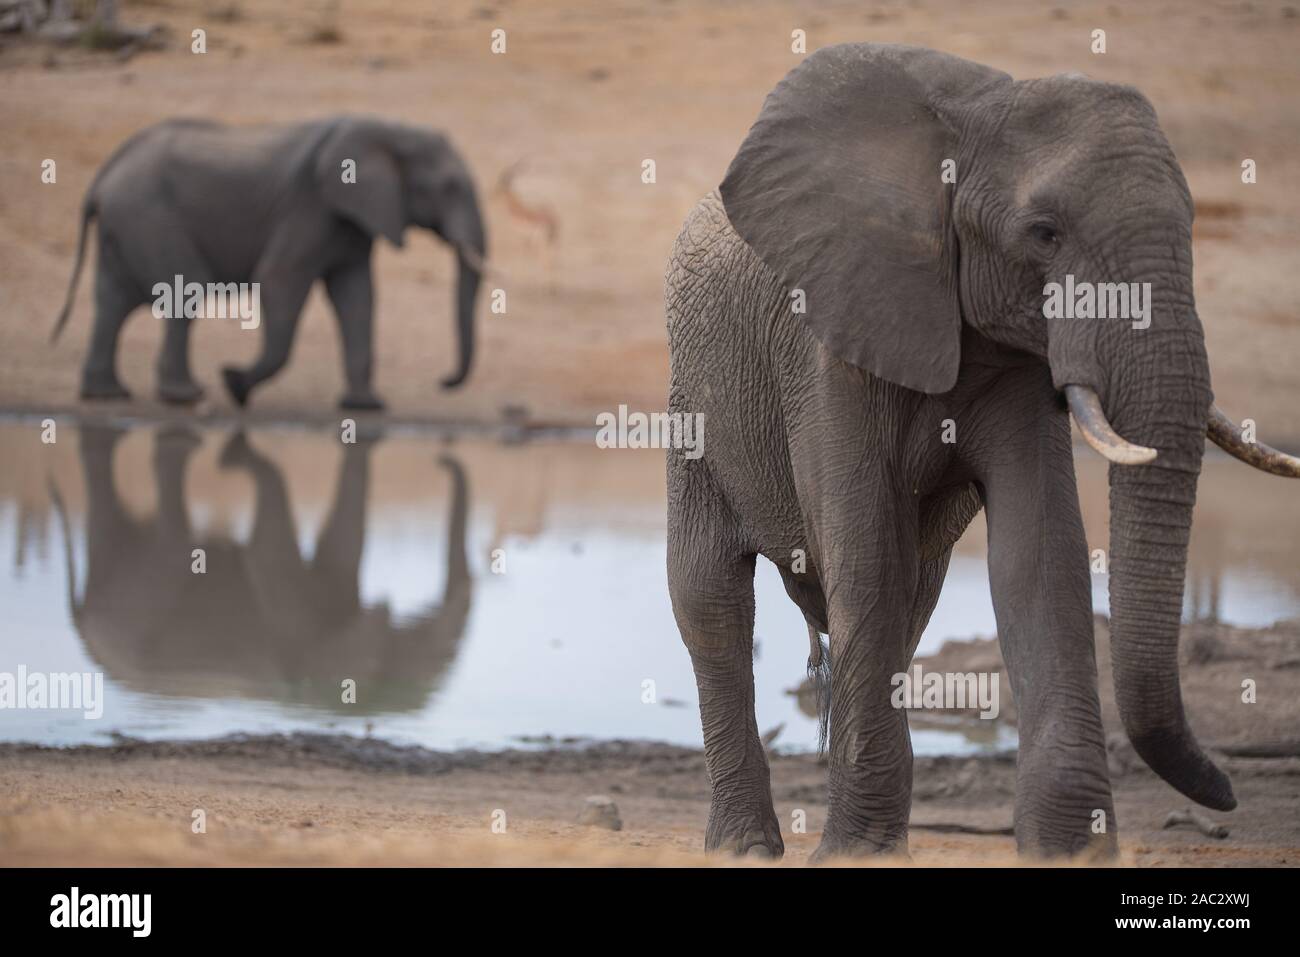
261, 622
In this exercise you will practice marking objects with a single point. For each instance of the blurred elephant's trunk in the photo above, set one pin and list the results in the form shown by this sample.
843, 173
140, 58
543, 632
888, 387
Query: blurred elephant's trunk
466, 235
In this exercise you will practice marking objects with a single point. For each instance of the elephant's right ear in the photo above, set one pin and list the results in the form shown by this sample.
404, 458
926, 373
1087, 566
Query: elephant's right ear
360, 178
839, 189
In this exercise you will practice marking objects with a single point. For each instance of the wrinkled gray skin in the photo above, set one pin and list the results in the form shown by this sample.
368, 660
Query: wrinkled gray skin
924, 303
268, 204
261, 622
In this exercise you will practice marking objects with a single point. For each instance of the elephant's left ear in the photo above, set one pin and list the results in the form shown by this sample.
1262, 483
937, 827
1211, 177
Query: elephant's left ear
840, 189
359, 176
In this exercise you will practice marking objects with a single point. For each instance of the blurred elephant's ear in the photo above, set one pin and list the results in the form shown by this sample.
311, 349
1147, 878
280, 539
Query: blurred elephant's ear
839, 189
360, 178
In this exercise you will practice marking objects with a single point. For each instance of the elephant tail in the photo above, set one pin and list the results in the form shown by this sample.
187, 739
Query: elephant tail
819, 672
87, 214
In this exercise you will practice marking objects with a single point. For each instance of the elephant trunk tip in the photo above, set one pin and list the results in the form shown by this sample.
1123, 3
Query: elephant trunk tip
1176, 757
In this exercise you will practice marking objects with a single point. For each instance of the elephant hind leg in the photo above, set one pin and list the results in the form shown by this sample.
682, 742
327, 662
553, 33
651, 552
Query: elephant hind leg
116, 294
160, 250
711, 582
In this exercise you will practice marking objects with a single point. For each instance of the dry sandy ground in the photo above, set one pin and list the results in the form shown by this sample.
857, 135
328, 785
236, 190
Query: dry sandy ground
585, 92
319, 800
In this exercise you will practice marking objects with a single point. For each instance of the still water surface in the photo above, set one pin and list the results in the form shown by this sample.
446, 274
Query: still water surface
479, 594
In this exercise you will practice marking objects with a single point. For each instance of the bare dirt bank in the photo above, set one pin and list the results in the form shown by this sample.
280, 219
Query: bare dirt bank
316, 800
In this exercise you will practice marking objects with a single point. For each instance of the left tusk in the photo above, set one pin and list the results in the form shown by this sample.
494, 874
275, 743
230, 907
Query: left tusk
1092, 422
1227, 436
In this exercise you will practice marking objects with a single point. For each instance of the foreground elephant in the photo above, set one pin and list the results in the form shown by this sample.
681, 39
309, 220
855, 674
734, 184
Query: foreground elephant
261, 622
280, 207
869, 347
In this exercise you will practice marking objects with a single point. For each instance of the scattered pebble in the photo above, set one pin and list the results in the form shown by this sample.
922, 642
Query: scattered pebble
601, 811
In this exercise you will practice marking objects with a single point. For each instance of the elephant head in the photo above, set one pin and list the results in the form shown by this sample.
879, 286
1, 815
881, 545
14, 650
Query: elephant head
407, 176
915, 199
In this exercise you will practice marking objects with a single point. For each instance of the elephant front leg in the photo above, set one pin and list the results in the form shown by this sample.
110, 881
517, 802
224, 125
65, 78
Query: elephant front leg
176, 385
872, 587
712, 589
1038, 573
351, 293
282, 293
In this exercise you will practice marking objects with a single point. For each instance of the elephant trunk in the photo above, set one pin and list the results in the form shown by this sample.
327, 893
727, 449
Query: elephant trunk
1151, 511
467, 237
1157, 395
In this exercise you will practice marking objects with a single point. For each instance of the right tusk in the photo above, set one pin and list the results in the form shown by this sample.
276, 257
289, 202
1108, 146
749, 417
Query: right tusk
1086, 409
1227, 436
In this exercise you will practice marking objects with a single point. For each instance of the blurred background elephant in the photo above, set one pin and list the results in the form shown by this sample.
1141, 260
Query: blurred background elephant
261, 622
280, 206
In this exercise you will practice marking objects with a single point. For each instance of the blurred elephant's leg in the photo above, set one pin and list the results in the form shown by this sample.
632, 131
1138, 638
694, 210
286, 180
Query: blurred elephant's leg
168, 243
176, 384
283, 292
116, 294
351, 293
711, 582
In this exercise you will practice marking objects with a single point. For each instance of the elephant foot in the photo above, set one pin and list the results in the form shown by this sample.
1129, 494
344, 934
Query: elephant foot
1087, 848
834, 848
102, 389
362, 402
179, 393
237, 385
744, 834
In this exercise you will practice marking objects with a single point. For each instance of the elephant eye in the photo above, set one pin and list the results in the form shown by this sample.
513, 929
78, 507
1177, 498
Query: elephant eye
1045, 235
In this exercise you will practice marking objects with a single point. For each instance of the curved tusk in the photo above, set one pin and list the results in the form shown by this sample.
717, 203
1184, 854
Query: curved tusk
1086, 409
1227, 436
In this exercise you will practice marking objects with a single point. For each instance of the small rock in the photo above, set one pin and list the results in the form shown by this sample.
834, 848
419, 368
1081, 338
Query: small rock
601, 811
